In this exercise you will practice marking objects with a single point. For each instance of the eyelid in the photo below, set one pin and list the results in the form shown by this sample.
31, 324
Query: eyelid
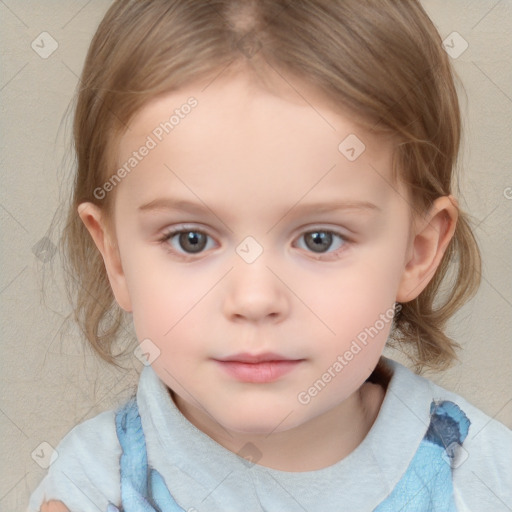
178, 228
343, 233
336, 232
168, 233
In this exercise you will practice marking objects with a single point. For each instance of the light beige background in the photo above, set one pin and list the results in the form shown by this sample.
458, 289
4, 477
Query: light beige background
50, 380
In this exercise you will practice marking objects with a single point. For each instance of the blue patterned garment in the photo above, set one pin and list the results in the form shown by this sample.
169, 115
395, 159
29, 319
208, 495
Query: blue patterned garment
425, 487
142, 488
427, 484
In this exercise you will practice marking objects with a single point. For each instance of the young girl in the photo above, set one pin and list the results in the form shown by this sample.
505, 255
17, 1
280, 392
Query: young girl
266, 187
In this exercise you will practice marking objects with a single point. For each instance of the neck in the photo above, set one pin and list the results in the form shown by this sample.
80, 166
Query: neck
319, 443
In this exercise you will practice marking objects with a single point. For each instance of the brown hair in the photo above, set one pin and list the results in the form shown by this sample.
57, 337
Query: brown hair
381, 59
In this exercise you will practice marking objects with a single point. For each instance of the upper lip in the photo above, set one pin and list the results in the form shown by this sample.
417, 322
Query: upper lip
256, 358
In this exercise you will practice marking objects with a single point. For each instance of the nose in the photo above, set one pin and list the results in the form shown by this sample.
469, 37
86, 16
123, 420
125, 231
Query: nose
255, 293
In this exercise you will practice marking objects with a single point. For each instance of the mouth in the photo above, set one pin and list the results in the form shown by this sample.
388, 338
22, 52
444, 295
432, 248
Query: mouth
258, 368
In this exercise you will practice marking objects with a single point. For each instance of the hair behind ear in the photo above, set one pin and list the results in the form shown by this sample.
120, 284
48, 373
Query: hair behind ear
96, 310
420, 323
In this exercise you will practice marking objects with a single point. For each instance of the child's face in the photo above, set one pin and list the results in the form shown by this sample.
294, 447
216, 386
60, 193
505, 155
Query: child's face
252, 164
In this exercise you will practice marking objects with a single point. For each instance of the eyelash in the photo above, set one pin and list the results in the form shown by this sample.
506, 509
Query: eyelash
164, 239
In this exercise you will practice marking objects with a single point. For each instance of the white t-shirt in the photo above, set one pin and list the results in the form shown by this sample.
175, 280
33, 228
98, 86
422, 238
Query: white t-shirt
204, 476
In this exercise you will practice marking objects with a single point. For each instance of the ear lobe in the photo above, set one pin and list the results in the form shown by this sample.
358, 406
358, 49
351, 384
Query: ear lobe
430, 240
92, 217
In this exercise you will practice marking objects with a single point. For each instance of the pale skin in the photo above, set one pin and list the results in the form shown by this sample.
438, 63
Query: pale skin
252, 159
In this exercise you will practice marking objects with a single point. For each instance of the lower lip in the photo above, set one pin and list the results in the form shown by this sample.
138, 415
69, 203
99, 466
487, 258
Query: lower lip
267, 371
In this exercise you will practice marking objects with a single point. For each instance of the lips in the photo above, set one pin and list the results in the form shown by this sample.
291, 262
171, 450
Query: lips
257, 368
256, 358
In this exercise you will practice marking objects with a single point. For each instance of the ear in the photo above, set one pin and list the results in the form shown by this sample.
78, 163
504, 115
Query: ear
92, 217
431, 237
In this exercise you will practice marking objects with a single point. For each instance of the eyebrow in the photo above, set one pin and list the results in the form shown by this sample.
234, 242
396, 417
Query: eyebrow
168, 203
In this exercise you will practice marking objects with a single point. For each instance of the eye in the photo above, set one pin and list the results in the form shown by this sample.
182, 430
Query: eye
320, 240
190, 241
186, 241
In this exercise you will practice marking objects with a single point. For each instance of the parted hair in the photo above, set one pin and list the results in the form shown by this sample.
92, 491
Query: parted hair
382, 60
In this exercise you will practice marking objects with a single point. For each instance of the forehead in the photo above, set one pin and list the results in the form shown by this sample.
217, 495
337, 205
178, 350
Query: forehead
266, 143
237, 104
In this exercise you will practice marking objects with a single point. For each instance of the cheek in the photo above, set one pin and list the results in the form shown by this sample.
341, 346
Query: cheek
356, 296
358, 307
161, 296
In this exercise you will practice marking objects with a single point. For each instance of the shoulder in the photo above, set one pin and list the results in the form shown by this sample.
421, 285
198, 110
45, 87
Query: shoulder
483, 429
419, 390
85, 472
482, 466
482, 470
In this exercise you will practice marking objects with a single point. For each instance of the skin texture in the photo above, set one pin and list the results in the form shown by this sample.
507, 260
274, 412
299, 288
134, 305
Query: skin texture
252, 158
54, 506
